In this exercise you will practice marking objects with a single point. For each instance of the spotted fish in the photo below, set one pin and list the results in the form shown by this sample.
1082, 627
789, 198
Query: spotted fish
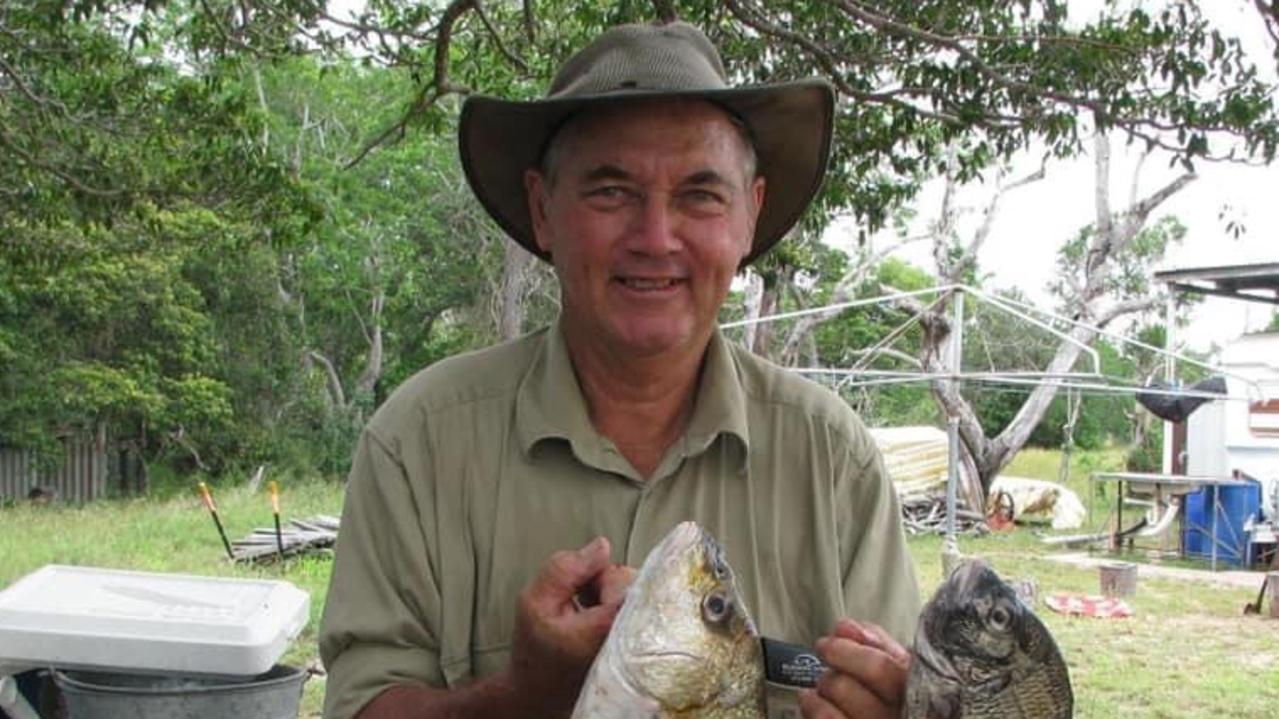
981, 653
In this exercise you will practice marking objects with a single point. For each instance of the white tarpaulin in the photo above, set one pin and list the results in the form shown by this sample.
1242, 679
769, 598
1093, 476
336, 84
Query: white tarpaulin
1036, 497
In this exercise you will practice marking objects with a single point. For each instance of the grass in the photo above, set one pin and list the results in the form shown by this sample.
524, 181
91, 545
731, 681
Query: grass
173, 535
1188, 652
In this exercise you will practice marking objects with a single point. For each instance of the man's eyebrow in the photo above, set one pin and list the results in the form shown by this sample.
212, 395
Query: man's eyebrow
706, 177
605, 172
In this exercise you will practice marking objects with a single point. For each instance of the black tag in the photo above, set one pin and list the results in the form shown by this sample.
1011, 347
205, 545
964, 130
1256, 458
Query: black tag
790, 664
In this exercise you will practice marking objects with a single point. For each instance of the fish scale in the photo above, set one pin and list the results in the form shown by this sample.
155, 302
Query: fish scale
983, 654
683, 645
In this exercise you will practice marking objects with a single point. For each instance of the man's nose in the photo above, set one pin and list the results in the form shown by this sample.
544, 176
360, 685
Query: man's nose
653, 227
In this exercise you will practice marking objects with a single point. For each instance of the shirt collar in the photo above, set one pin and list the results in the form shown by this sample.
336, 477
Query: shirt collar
550, 405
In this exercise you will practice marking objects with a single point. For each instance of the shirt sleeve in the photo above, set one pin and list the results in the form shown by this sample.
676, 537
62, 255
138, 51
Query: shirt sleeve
879, 582
382, 611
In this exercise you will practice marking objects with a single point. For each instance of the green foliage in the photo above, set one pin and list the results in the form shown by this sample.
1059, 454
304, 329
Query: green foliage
232, 230
1129, 274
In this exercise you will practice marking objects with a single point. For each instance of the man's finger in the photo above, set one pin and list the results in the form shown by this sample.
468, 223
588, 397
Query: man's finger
872, 635
852, 697
870, 666
813, 706
613, 583
565, 573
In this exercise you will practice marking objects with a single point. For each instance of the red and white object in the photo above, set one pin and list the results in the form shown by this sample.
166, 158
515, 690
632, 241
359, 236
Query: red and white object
1078, 605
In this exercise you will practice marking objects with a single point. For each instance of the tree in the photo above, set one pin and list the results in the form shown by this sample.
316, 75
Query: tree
130, 190
392, 277
1102, 279
914, 77
138, 120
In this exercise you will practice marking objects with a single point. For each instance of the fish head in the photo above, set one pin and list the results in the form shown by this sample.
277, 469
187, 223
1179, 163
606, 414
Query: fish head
975, 617
686, 638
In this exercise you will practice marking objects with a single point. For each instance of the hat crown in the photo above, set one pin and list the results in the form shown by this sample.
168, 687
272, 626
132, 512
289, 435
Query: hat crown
674, 56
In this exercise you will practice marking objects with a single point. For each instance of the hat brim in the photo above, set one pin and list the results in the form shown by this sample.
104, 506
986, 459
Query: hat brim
791, 124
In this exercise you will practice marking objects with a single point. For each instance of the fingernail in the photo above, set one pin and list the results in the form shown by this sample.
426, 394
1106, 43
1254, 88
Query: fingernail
593, 546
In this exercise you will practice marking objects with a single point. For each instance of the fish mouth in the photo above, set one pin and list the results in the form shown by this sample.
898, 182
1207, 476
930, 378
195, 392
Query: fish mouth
668, 654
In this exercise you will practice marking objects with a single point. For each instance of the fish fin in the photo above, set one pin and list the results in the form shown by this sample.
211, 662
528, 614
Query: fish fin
944, 704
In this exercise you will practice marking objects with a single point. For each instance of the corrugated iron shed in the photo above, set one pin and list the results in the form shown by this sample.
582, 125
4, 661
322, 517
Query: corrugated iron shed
1252, 283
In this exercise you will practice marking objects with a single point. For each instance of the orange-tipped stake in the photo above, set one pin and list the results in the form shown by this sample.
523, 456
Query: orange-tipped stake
213, 512
275, 510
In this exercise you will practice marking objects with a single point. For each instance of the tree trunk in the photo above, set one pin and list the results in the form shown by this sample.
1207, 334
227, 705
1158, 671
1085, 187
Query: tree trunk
367, 380
754, 294
768, 299
510, 310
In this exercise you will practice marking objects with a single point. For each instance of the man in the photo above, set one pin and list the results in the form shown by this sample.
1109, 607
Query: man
496, 497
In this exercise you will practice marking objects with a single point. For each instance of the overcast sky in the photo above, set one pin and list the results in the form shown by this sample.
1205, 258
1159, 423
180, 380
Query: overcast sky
1034, 220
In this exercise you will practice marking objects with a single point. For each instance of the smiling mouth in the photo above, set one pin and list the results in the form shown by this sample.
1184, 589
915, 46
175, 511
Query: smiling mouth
648, 285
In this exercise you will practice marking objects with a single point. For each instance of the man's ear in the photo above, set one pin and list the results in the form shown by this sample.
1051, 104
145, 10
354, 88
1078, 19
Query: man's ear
536, 193
756, 192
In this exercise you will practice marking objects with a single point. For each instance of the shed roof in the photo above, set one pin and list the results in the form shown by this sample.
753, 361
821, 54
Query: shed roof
1251, 283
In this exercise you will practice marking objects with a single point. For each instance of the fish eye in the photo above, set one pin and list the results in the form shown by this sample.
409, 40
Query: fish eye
1000, 617
717, 608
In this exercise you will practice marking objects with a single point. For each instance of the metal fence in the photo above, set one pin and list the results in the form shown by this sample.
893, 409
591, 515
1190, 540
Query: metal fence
80, 477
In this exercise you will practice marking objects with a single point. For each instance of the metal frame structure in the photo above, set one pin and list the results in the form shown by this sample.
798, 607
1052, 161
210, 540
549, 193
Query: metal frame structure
1094, 382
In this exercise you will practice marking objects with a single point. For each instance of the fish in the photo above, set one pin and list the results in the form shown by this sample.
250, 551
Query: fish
683, 643
981, 653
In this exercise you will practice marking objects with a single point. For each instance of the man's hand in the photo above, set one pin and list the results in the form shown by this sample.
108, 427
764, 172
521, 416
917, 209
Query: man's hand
865, 678
561, 619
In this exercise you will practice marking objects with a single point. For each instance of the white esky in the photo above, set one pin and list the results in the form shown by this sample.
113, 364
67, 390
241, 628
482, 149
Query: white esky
1033, 221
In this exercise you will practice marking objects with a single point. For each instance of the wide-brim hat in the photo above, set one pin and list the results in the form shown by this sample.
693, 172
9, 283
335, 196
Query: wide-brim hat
789, 123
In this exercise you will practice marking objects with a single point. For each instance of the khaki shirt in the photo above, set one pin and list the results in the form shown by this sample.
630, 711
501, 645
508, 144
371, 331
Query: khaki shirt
480, 467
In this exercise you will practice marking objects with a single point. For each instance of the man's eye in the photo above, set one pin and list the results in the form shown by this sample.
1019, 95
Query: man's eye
610, 192
704, 197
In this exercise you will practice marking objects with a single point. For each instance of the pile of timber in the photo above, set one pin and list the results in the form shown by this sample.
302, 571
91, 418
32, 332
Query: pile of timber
925, 513
298, 536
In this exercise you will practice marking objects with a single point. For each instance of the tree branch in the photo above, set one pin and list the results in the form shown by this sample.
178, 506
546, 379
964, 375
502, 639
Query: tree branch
530, 22
890, 352
1127, 307
432, 91
334, 382
825, 58
1102, 241
1138, 213
1269, 17
497, 38
665, 11
54, 170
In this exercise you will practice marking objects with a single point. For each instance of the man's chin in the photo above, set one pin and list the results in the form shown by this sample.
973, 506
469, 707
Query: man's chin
657, 341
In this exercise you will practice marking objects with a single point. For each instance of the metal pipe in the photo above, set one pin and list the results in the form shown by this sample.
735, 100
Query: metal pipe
1163, 351
1007, 304
904, 378
1012, 310
1170, 374
952, 421
952, 476
837, 306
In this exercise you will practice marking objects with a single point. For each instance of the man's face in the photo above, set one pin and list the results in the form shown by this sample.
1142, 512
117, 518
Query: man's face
647, 212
